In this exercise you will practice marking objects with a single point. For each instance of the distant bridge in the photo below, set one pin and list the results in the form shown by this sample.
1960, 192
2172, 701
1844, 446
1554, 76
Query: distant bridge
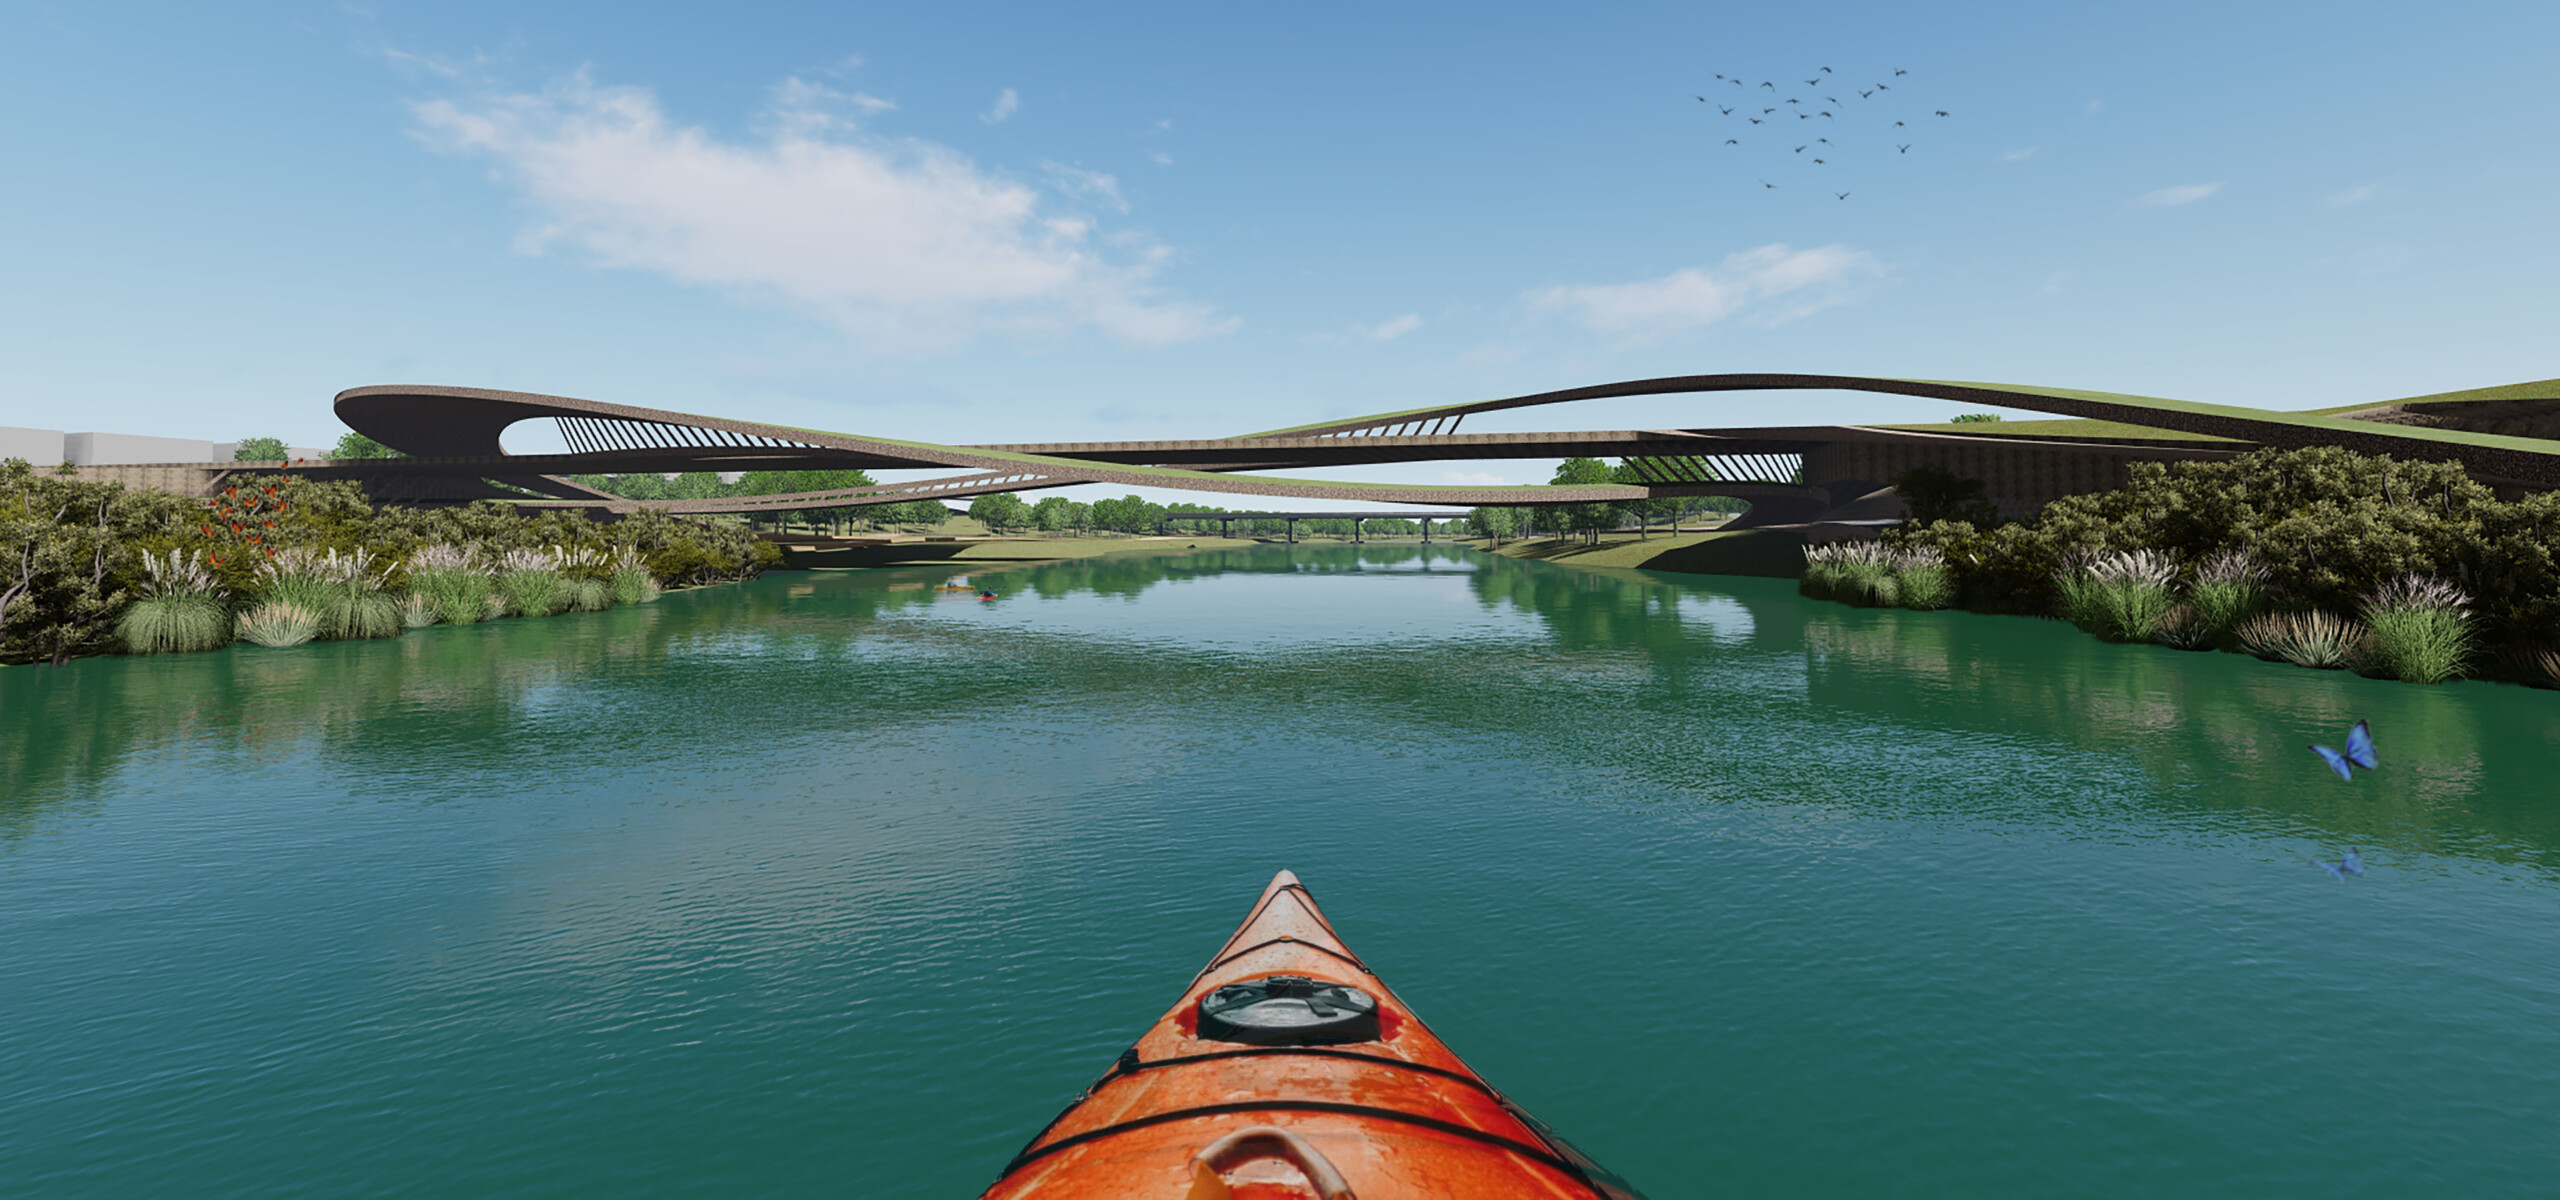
1226, 520
2502, 436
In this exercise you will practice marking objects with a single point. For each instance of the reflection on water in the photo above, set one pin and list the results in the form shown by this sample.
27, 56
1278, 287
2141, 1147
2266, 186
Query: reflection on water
838, 882
2213, 731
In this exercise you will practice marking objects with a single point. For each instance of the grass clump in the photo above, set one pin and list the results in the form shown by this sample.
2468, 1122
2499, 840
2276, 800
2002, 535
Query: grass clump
416, 610
279, 623
453, 580
2229, 587
530, 583
358, 606
1850, 572
587, 576
1920, 577
2421, 629
2122, 597
633, 582
1875, 575
180, 610
2320, 640
2184, 628
293, 577
590, 595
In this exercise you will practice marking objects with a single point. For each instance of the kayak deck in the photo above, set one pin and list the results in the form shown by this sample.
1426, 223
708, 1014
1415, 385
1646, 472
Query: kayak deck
1387, 1108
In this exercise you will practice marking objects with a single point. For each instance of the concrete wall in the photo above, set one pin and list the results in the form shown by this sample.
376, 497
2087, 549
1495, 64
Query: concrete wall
106, 449
185, 479
2018, 481
49, 447
43, 447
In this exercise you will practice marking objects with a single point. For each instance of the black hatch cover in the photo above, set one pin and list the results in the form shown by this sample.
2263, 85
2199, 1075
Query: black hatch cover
1289, 1010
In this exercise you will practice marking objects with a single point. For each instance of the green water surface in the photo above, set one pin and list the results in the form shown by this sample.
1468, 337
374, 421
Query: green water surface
830, 885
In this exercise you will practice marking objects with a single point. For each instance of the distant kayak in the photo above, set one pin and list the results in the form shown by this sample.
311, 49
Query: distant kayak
1290, 1072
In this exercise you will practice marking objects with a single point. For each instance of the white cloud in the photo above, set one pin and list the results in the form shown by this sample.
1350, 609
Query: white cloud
1472, 479
1393, 328
1384, 331
2172, 197
404, 61
1007, 103
1161, 158
1165, 124
2354, 195
2019, 155
900, 242
2095, 107
1776, 284
2053, 282
1076, 181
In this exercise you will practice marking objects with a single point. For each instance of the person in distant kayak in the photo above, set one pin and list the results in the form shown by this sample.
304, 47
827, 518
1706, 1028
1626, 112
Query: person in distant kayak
986, 595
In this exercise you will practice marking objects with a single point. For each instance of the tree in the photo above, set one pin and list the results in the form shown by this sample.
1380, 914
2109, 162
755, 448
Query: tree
1051, 514
695, 485
1000, 511
929, 513
1128, 514
261, 449
1645, 511
1973, 418
1494, 523
357, 445
1588, 518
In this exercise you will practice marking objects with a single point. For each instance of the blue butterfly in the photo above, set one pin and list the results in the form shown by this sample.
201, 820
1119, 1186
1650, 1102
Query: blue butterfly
2353, 862
2331, 868
2359, 753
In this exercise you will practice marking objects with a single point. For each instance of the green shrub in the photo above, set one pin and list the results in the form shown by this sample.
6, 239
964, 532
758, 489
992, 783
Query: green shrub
2421, 629
279, 623
2184, 628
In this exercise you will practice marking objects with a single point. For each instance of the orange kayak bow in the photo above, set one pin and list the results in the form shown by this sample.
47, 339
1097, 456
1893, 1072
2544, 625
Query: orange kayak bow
1289, 1072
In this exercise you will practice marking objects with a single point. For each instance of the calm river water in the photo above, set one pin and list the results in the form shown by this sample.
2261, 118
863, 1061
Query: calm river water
825, 885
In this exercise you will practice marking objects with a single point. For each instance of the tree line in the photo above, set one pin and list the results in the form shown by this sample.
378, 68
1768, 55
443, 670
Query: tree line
1589, 521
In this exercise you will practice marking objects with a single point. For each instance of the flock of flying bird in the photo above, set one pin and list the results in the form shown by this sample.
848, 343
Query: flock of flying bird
1774, 116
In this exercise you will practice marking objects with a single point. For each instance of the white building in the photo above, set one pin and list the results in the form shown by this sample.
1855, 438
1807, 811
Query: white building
50, 447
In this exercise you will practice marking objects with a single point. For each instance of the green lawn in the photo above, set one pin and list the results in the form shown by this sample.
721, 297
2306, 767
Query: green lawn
2061, 427
1774, 553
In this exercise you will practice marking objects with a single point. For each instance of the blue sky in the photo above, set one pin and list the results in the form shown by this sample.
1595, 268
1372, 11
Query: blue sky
1020, 222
